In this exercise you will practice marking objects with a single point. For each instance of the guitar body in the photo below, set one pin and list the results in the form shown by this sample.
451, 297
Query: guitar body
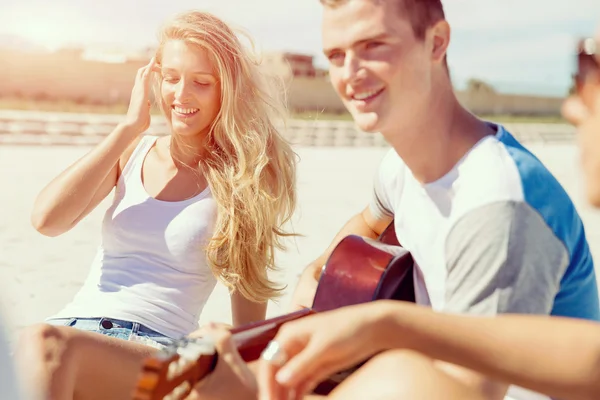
362, 270
359, 270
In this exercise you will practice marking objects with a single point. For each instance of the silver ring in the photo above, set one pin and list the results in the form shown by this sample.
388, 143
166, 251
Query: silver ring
274, 354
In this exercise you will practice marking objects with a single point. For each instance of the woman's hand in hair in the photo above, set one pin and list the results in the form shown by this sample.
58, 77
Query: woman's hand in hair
138, 114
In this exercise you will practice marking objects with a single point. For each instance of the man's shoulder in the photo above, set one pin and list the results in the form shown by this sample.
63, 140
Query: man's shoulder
530, 168
504, 169
542, 190
391, 169
391, 161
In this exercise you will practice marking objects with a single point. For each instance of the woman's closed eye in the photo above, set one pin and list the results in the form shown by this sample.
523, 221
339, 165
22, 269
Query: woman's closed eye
170, 79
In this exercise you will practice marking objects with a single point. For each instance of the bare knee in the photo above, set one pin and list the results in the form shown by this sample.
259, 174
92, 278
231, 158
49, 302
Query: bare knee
398, 374
45, 359
392, 364
42, 343
400, 371
403, 361
382, 377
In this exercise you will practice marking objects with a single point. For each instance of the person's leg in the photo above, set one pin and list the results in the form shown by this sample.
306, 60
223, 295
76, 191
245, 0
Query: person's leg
64, 363
402, 374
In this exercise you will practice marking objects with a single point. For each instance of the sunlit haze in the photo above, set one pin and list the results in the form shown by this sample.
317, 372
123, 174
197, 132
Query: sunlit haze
514, 44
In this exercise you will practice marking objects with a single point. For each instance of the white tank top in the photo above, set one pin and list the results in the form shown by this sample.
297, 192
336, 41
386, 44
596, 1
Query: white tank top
150, 267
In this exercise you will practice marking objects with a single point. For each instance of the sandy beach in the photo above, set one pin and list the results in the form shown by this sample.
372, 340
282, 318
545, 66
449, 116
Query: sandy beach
39, 274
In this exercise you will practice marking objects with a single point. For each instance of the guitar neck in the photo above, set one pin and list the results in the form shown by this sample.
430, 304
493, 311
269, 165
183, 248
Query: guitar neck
252, 339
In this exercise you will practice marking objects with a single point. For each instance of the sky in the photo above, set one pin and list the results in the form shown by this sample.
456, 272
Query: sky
520, 46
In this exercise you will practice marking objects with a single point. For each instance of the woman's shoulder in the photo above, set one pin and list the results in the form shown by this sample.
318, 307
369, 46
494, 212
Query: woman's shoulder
126, 156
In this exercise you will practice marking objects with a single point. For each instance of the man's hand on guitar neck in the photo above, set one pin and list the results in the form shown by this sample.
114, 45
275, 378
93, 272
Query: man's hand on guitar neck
314, 351
363, 224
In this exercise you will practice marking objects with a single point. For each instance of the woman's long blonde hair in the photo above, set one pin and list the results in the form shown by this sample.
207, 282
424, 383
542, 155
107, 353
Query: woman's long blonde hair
250, 167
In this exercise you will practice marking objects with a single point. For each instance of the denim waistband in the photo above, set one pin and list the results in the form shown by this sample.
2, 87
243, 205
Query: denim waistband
106, 323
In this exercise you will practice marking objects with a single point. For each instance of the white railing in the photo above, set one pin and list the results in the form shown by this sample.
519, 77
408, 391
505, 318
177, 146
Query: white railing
32, 127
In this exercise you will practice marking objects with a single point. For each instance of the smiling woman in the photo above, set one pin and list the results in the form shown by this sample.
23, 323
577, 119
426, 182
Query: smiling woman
189, 89
208, 202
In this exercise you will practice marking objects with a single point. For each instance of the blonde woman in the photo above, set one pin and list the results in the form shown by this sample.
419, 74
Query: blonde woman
207, 202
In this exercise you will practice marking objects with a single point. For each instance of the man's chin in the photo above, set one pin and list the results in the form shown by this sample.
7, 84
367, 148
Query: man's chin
367, 122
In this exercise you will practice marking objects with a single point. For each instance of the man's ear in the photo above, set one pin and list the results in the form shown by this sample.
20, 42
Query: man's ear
439, 36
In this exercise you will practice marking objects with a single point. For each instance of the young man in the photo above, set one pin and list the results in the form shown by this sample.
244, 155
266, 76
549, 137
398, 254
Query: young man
387, 56
490, 229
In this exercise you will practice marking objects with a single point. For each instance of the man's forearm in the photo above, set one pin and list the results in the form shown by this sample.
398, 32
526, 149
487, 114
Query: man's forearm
307, 285
559, 357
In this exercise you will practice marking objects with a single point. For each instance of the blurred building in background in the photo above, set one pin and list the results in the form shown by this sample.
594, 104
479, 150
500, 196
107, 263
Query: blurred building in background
105, 76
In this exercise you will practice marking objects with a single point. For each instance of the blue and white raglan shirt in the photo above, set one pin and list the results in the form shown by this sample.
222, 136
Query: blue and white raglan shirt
496, 234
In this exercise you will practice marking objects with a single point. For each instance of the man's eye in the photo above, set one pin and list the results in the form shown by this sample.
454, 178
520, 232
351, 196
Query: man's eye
336, 58
373, 45
333, 56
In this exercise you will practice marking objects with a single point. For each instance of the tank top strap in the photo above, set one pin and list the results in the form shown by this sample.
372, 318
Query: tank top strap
134, 164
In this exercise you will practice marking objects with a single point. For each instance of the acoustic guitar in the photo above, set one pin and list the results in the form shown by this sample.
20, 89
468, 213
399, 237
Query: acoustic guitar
359, 270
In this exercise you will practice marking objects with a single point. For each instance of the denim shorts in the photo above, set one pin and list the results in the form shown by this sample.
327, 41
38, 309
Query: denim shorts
125, 330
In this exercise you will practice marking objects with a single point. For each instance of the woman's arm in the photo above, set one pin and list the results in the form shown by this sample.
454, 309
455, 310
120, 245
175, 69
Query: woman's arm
81, 187
244, 311
556, 356
74, 193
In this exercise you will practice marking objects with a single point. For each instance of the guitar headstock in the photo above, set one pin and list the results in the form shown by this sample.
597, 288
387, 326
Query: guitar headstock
172, 373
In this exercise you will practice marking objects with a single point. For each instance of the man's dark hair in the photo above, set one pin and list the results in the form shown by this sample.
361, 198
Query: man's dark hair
421, 13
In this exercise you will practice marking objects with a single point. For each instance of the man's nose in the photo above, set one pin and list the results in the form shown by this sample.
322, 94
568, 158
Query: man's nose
352, 68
